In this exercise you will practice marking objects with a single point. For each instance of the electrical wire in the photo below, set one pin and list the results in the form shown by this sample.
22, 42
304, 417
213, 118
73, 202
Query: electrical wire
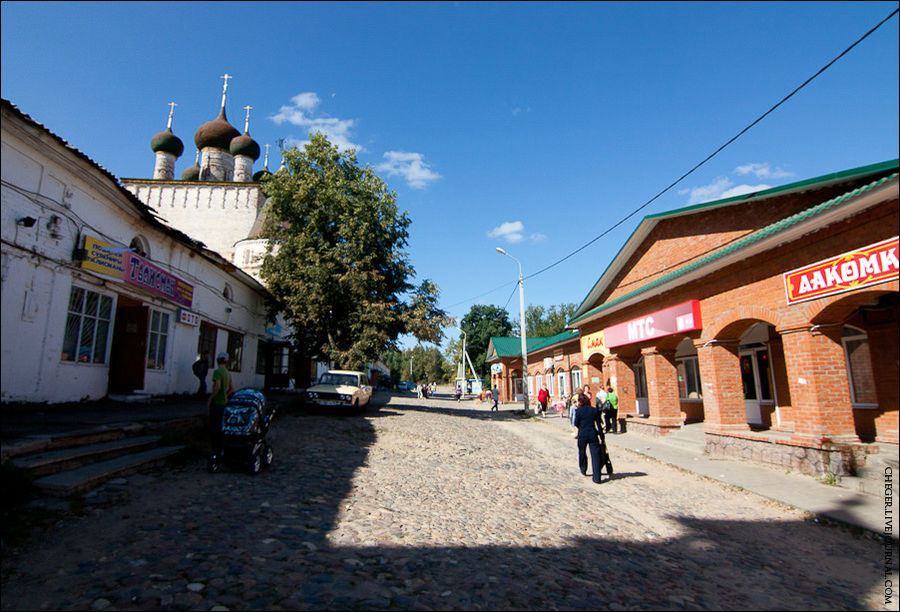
696, 167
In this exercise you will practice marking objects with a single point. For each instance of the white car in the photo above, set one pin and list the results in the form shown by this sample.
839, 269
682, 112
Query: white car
341, 388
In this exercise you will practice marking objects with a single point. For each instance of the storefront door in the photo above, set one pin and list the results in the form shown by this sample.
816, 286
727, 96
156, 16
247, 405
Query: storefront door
129, 347
755, 378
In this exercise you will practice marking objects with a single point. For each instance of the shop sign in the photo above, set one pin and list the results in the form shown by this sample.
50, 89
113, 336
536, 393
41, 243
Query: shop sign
558, 355
673, 320
548, 362
496, 368
873, 264
188, 318
120, 263
102, 258
142, 273
593, 343
274, 330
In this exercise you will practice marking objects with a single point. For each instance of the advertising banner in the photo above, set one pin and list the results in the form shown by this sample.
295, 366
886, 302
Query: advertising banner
870, 265
593, 343
673, 320
119, 263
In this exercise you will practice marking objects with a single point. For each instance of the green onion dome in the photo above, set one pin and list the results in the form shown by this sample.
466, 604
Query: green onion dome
217, 133
167, 142
191, 174
244, 145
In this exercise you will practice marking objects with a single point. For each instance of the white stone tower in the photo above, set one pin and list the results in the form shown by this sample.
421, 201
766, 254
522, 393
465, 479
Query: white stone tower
168, 147
213, 139
245, 152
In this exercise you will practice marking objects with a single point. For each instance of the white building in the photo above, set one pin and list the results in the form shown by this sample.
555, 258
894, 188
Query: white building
98, 294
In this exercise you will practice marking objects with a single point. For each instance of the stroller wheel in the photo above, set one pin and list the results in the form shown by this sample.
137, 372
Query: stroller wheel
256, 463
269, 456
212, 465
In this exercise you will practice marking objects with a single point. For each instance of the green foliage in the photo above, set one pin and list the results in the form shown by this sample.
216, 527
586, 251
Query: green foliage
545, 322
480, 324
428, 365
336, 261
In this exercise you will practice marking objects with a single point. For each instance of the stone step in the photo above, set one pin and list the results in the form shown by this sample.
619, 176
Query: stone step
54, 461
86, 477
867, 486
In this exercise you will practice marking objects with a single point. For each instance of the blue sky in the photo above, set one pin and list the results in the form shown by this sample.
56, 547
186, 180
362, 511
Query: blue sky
534, 127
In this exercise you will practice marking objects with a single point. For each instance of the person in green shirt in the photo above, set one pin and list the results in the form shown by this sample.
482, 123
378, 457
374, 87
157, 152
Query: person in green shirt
215, 405
612, 417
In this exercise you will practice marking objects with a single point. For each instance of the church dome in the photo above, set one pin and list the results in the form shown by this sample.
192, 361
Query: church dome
244, 145
257, 176
167, 142
191, 174
217, 133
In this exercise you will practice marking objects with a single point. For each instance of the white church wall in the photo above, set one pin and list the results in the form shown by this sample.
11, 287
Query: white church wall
217, 214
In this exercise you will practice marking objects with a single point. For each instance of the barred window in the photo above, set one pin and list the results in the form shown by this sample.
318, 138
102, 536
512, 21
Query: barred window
87, 327
159, 335
689, 378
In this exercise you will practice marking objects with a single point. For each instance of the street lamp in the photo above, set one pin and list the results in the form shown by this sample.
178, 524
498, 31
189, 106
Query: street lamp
462, 357
522, 326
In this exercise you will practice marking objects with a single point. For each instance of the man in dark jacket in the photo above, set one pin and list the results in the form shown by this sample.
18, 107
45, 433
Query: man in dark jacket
589, 433
201, 369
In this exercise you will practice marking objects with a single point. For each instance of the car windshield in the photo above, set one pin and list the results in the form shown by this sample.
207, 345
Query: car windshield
339, 379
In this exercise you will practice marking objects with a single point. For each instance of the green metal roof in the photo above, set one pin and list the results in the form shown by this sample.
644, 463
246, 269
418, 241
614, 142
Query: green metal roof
818, 182
756, 236
511, 346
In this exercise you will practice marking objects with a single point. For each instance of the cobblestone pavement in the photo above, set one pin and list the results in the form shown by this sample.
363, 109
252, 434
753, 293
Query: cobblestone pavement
430, 504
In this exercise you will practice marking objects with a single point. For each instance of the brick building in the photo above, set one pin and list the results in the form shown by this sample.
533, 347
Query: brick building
769, 317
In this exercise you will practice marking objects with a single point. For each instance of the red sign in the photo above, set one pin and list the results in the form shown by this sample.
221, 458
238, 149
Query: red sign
873, 264
138, 271
673, 320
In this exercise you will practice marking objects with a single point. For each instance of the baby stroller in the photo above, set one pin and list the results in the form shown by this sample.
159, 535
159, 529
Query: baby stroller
245, 423
605, 459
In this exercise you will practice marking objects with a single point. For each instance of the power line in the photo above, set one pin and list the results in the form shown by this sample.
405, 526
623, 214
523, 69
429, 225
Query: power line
695, 168
717, 151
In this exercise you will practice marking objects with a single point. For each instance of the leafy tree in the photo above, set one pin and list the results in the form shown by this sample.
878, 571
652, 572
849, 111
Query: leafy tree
336, 259
545, 322
428, 365
480, 324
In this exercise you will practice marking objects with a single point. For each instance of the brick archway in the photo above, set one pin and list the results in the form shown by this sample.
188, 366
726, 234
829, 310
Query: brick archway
731, 325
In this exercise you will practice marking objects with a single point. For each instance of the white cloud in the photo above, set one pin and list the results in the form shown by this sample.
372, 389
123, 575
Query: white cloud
719, 189
723, 187
301, 113
410, 166
514, 231
762, 171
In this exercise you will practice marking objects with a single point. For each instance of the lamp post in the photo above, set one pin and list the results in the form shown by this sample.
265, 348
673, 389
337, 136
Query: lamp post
522, 326
462, 357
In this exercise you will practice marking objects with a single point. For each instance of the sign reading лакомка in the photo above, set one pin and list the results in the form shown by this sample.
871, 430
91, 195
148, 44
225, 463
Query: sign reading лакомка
870, 265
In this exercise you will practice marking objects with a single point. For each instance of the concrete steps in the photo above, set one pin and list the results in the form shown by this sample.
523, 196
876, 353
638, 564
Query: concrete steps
80, 461
870, 478
689, 437
86, 477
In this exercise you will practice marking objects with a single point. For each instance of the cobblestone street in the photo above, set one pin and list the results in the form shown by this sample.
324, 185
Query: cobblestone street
433, 504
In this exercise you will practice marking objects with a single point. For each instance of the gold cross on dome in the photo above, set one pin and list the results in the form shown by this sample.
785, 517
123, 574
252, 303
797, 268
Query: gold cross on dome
247, 120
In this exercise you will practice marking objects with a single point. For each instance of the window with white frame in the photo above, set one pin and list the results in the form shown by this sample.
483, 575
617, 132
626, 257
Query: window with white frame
87, 327
561, 382
859, 367
689, 378
640, 379
576, 378
158, 340
548, 380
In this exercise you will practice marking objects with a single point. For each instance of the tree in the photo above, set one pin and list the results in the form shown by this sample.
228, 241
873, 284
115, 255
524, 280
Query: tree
336, 261
480, 324
545, 322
